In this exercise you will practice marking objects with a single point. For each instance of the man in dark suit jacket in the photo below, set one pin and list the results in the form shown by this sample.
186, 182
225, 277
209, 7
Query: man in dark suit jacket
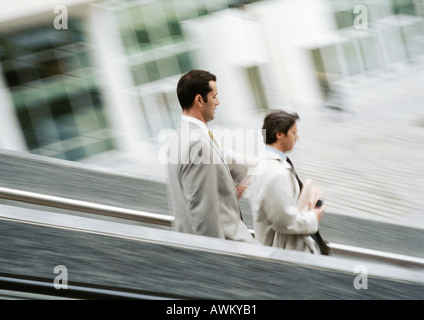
202, 192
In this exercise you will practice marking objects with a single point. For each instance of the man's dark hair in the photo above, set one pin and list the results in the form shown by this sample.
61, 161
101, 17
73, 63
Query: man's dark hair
277, 121
191, 84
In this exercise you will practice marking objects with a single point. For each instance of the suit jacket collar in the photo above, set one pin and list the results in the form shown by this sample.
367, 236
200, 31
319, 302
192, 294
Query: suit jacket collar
195, 121
195, 124
272, 155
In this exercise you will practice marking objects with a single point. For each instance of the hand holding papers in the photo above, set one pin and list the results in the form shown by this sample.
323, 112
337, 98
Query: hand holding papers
307, 201
309, 196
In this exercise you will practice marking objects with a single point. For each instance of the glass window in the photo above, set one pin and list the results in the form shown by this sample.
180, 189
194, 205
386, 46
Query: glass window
352, 59
394, 45
331, 61
186, 9
406, 7
167, 67
152, 71
128, 32
139, 74
369, 53
345, 19
63, 118
256, 84
414, 38
184, 62
320, 73
27, 128
55, 93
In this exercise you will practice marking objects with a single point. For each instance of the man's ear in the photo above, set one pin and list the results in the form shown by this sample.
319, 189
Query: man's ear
279, 135
198, 100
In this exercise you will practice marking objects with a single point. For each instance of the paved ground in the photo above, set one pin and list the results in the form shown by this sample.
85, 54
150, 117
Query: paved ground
369, 160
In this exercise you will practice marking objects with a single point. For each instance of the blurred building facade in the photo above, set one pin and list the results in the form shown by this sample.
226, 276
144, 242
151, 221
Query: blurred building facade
87, 78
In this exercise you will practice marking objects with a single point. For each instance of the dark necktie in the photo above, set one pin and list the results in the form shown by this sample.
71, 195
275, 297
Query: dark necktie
294, 171
325, 250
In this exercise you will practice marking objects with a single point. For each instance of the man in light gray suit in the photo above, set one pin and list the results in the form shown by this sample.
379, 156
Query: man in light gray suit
201, 189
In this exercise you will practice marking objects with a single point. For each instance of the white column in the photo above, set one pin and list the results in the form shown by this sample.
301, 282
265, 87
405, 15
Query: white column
120, 105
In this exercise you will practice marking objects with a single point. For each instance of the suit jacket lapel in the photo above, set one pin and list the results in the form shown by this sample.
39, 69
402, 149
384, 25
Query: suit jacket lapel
205, 135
